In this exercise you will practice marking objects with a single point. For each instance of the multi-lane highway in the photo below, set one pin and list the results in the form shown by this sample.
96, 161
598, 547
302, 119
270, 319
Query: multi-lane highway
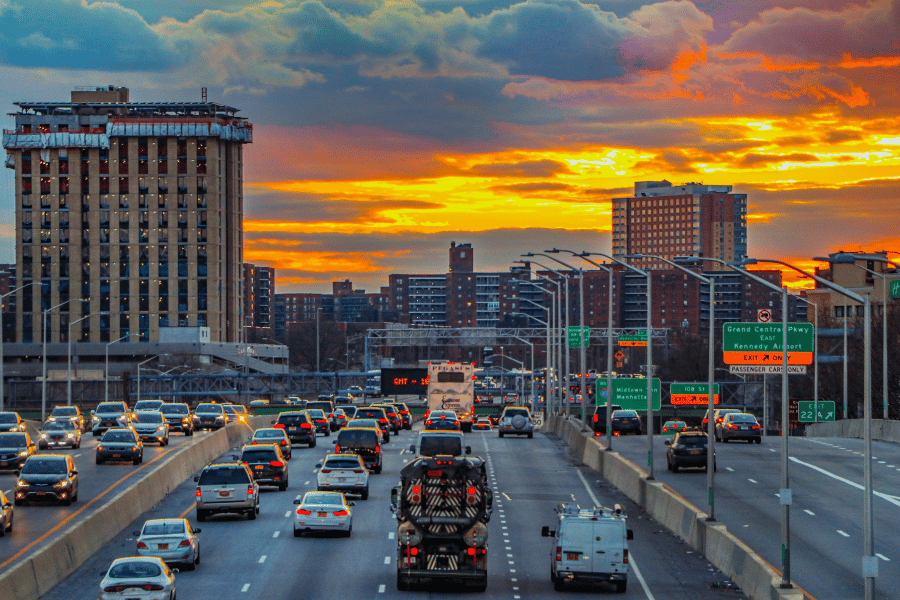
261, 558
826, 477
36, 524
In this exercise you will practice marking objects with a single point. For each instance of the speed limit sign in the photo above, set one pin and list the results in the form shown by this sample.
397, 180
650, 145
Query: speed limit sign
764, 315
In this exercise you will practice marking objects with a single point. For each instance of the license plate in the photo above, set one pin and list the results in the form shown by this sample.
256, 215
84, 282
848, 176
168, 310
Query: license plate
117, 456
321, 514
224, 494
42, 493
292, 428
695, 452
163, 546
258, 467
4, 464
743, 428
571, 556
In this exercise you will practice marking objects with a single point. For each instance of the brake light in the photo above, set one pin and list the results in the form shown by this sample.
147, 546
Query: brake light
456, 422
301, 511
305, 426
559, 553
325, 471
416, 495
152, 587
252, 442
428, 422
337, 448
141, 545
276, 463
625, 556
278, 426
731, 426
284, 442
382, 420
114, 588
341, 513
470, 495
249, 490
377, 449
358, 471
184, 543
331, 416
596, 418
321, 421
198, 492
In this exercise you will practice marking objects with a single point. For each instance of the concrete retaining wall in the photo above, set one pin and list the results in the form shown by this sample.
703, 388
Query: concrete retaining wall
886, 431
730, 555
36, 574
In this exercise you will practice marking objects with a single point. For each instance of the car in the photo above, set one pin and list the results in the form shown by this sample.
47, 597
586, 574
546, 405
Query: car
394, 418
172, 540
298, 426
273, 435
11, 421
259, 402
405, 414
341, 398
343, 473
373, 391
47, 477
383, 434
718, 415
7, 513
59, 433
326, 397
226, 488
673, 427
516, 420
511, 398
295, 401
433, 443
442, 419
482, 424
341, 417
15, 448
349, 411
237, 413
72, 413
147, 405
739, 426
377, 413
143, 577
151, 426
210, 416
267, 463
598, 421
327, 408
319, 420
323, 511
354, 392
120, 444
625, 421
362, 441
109, 414
179, 417
688, 450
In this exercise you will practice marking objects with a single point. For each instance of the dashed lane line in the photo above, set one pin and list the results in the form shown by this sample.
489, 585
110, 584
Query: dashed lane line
883, 557
262, 559
246, 587
843, 533
809, 512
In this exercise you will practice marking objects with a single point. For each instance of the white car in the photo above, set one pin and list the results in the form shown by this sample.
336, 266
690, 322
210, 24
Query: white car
343, 473
323, 511
173, 540
138, 577
151, 426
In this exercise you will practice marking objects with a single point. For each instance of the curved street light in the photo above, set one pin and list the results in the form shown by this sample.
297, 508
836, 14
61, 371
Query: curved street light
2, 374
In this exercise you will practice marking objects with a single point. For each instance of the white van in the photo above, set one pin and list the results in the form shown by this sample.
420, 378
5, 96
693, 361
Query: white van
591, 546
432, 443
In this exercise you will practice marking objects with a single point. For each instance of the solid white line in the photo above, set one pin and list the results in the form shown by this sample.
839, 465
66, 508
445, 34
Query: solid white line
882, 495
246, 587
391, 535
262, 559
809, 512
387, 560
276, 534
843, 533
883, 557
77, 455
631, 561
752, 480
381, 588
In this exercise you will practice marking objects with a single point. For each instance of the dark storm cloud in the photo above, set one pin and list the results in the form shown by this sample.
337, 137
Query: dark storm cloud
325, 208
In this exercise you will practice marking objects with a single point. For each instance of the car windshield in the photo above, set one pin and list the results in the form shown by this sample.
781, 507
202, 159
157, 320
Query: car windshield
44, 466
389, 410
292, 419
117, 436
317, 414
515, 412
163, 529
110, 407
8, 418
342, 463
258, 456
434, 445
236, 408
65, 411
148, 405
58, 426
357, 438
268, 433
223, 475
362, 423
134, 570
692, 440
743, 419
12, 440
149, 417
625, 413
174, 409
211, 409
313, 498
323, 406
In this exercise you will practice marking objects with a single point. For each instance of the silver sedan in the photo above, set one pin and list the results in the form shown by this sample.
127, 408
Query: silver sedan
323, 511
172, 540
138, 578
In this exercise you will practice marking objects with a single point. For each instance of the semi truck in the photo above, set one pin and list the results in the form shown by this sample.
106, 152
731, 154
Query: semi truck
442, 505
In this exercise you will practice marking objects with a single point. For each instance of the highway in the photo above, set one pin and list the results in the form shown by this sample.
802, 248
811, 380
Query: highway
262, 559
826, 477
34, 524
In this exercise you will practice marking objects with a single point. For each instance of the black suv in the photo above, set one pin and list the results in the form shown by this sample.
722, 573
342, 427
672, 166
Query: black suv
298, 426
393, 416
48, 477
598, 422
327, 407
405, 415
15, 448
687, 450
626, 421
377, 413
361, 441
178, 416
11, 421
267, 464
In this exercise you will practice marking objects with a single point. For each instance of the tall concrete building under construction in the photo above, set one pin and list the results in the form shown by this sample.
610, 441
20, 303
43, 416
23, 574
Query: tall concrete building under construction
128, 217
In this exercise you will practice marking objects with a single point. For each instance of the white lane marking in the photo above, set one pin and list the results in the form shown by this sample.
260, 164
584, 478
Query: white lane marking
287, 514
391, 535
77, 455
752, 480
509, 556
809, 512
514, 579
381, 588
843, 533
632, 562
771, 449
276, 534
509, 547
729, 469
892, 499
299, 497
512, 570
246, 587
505, 527
883, 557
507, 497
304, 483
262, 559
881, 462
512, 562
387, 560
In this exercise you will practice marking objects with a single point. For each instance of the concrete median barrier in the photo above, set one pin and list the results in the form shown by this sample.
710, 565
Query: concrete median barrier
37, 573
730, 555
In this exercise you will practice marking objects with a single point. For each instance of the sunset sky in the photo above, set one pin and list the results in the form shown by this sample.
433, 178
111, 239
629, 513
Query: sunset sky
384, 130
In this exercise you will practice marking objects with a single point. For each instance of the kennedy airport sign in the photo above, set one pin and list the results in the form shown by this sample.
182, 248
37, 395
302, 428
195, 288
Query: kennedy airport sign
630, 392
761, 343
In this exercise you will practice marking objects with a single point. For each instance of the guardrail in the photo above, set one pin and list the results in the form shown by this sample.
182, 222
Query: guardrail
37, 573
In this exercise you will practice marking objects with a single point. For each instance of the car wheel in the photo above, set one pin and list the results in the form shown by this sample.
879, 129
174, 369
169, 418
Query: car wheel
530, 435
759, 440
621, 586
136, 460
377, 470
18, 502
201, 515
298, 533
67, 502
99, 460
95, 434
349, 531
365, 494
328, 433
668, 465
3, 531
312, 444
190, 566
500, 434
675, 467
197, 560
251, 514
558, 585
10, 526
282, 486
387, 437
724, 440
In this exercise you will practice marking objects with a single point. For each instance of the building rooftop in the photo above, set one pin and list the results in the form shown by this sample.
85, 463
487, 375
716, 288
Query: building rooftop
138, 109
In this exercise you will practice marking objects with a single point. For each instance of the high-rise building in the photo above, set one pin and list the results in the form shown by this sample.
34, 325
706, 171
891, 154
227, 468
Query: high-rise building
668, 220
128, 216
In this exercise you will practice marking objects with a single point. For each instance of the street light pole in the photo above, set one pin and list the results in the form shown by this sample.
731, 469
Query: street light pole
106, 378
2, 341
550, 351
318, 363
44, 359
815, 353
139, 375
69, 365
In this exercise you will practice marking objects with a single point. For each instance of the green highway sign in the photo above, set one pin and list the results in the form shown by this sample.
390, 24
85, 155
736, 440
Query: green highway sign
692, 393
807, 411
761, 343
638, 339
575, 340
895, 289
630, 392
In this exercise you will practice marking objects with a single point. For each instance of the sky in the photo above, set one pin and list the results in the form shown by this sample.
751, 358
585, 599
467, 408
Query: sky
385, 130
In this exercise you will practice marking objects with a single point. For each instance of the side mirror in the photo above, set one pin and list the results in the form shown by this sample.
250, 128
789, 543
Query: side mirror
74, 471
468, 450
196, 531
273, 421
92, 412
351, 503
629, 535
412, 448
668, 442
196, 478
318, 465
135, 533
334, 441
235, 457
298, 501
546, 532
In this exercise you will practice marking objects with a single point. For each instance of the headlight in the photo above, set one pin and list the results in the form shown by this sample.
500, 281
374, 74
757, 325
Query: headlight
61, 484
185, 419
99, 448
71, 435
95, 418
23, 453
43, 436
161, 428
22, 484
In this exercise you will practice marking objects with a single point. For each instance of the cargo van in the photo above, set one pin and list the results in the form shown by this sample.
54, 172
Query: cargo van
590, 546
433, 443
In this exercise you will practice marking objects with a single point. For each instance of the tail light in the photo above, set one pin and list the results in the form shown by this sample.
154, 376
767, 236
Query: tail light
559, 553
625, 556
596, 418
732, 426
377, 449
456, 422
341, 513
284, 442
428, 422
756, 427
114, 588
152, 587
249, 490
198, 492
252, 442
358, 470
337, 448
305, 426
325, 471
276, 463
382, 420
278, 426
470, 495
416, 495
301, 511
184, 543
141, 545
